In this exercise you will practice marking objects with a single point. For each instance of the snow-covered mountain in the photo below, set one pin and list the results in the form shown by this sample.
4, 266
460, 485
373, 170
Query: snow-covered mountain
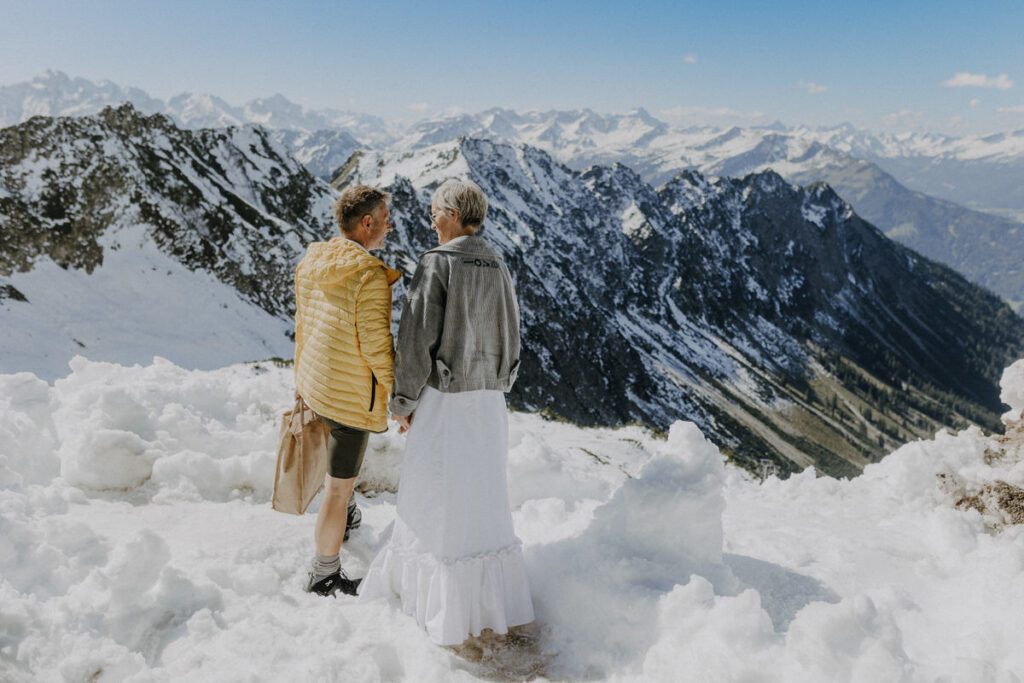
582, 137
322, 152
729, 301
277, 112
987, 248
658, 151
771, 315
567, 135
54, 93
125, 237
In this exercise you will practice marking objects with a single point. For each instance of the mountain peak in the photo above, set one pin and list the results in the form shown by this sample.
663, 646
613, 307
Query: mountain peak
775, 125
52, 76
768, 180
646, 117
823, 192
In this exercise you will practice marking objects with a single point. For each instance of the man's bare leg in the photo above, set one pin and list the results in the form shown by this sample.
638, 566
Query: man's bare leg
333, 515
327, 576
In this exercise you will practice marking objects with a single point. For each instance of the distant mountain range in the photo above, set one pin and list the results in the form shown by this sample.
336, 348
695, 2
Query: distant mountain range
987, 248
979, 172
657, 151
915, 187
772, 315
56, 94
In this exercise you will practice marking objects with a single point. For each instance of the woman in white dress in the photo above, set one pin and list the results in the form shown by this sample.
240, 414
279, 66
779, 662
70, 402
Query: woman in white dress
453, 558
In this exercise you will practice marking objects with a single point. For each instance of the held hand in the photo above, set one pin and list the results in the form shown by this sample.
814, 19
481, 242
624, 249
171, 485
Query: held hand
404, 422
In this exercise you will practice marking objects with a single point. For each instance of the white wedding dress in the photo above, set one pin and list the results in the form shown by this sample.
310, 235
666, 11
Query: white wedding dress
453, 558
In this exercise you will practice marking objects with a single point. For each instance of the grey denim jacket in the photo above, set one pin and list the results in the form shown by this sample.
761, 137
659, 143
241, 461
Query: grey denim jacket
459, 329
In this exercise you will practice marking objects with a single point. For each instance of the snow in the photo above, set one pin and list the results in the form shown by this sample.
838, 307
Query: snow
137, 544
812, 213
432, 165
138, 304
634, 223
1012, 384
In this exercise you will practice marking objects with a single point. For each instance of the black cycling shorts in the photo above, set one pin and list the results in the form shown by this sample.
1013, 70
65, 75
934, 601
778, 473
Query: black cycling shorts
345, 449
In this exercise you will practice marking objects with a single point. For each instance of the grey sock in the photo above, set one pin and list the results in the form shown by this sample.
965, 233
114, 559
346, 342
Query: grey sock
325, 565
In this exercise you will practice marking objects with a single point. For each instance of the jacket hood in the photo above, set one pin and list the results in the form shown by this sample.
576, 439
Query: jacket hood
341, 259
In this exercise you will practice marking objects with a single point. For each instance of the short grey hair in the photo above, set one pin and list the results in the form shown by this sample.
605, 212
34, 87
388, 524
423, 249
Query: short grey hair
463, 196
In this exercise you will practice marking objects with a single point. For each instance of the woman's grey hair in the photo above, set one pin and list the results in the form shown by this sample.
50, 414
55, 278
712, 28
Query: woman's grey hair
463, 196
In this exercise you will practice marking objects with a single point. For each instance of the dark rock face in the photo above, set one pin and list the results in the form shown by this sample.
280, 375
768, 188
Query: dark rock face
987, 249
231, 202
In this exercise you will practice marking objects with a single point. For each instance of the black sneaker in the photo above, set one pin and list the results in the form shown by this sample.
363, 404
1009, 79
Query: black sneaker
329, 585
355, 518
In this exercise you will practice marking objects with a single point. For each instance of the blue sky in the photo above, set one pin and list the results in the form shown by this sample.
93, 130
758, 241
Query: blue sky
945, 66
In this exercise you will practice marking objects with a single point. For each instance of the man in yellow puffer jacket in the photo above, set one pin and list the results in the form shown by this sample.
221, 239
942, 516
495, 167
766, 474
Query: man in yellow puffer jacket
344, 359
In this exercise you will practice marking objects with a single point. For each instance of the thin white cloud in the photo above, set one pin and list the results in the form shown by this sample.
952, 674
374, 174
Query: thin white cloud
1019, 109
418, 107
811, 87
903, 114
963, 79
974, 103
690, 59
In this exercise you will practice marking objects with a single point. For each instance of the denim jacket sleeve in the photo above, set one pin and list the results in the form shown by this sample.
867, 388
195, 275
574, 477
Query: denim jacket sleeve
419, 331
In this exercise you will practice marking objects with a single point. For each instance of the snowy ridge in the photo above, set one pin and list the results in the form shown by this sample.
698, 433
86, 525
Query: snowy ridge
139, 303
581, 137
882, 175
566, 134
321, 152
139, 544
138, 238
54, 93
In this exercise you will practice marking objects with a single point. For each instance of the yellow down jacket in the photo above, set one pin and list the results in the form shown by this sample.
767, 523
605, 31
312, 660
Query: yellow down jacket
344, 357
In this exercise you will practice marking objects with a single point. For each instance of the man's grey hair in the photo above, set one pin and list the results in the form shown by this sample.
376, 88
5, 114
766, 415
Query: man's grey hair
463, 196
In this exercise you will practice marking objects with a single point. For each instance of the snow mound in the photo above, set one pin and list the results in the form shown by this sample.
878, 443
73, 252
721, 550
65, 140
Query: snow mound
137, 544
657, 530
28, 442
1012, 385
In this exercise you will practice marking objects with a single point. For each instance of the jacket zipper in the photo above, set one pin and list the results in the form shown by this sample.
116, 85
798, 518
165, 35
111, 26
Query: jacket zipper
373, 391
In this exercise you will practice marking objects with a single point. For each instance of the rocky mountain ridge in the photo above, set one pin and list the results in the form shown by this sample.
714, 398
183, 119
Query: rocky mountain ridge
123, 237
771, 315
758, 309
987, 248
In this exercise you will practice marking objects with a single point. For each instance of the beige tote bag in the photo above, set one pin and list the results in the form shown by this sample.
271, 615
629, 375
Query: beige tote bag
301, 459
